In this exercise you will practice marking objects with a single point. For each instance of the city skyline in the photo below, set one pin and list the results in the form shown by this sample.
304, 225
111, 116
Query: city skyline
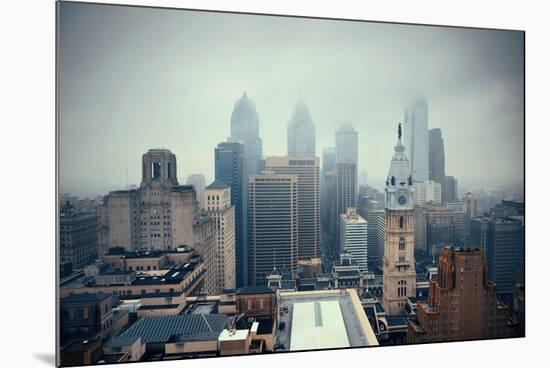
184, 104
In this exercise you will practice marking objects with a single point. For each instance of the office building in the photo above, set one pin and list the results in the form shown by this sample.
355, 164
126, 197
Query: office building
451, 189
442, 228
78, 237
354, 237
306, 169
230, 168
399, 279
217, 205
301, 132
328, 204
245, 129
347, 150
462, 304
437, 158
273, 230
416, 139
426, 192
346, 194
501, 238
420, 229
376, 220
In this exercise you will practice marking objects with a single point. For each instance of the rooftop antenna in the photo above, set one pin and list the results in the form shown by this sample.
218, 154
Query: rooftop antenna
126, 178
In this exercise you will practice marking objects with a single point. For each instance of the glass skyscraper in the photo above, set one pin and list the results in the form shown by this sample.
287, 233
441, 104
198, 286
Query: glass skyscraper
230, 168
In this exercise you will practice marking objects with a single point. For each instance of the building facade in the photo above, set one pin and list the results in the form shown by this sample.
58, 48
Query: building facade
354, 237
218, 206
78, 237
451, 189
231, 168
376, 220
273, 236
437, 158
462, 304
426, 192
501, 238
399, 279
301, 132
347, 149
306, 169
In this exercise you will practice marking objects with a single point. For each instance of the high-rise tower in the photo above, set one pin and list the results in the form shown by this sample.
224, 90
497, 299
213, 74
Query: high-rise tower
306, 169
416, 139
399, 272
437, 158
301, 132
231, 169
245, 129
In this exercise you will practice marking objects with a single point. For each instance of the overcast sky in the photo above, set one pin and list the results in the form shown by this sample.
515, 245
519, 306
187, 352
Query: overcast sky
131, 79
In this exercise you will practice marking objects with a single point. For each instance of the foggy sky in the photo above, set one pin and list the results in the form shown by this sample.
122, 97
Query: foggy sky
131, 79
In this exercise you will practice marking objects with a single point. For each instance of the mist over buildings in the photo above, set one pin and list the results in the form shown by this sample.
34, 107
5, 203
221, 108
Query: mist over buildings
132, 79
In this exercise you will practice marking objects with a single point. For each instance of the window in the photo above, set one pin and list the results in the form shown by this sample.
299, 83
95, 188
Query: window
401, 221
401, 243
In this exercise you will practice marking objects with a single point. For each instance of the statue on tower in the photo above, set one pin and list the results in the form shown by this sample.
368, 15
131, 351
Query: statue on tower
399, 131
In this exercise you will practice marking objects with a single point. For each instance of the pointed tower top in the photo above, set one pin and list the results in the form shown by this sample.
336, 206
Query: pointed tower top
399, 131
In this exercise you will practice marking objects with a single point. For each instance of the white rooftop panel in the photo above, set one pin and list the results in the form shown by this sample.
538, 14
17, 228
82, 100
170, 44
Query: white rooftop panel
318, 325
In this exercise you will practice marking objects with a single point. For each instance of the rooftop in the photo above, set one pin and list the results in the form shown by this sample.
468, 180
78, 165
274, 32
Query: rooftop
218, 184
249, 290
188, 327
323, 320
85, 298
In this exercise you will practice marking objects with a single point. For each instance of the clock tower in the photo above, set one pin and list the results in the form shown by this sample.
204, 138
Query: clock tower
399, 272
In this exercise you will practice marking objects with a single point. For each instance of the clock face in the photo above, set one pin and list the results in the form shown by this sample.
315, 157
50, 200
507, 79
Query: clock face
402, 199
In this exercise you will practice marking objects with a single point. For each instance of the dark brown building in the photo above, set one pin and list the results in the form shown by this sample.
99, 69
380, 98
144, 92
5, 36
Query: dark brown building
257, 301
462, 304
86, 316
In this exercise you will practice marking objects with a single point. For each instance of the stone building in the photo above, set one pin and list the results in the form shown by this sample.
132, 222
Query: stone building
217, 205
78, 238
462, 303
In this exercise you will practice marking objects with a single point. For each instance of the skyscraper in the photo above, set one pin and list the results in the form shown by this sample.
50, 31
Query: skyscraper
199, 183
217, 205
399, 272
346, 144
354, 237
306, 169
501, 238
416, 139
376, 220
245, 129
273, 237
346, 186
301, 132
451, 189
328, 201
231, 168
437, 158
346, 169
461, 304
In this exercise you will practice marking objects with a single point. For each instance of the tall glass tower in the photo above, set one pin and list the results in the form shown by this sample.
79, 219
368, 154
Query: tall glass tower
301, 132
245, 130
230, 168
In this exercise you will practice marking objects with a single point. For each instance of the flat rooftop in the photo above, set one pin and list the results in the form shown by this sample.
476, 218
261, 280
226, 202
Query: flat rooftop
325, 319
